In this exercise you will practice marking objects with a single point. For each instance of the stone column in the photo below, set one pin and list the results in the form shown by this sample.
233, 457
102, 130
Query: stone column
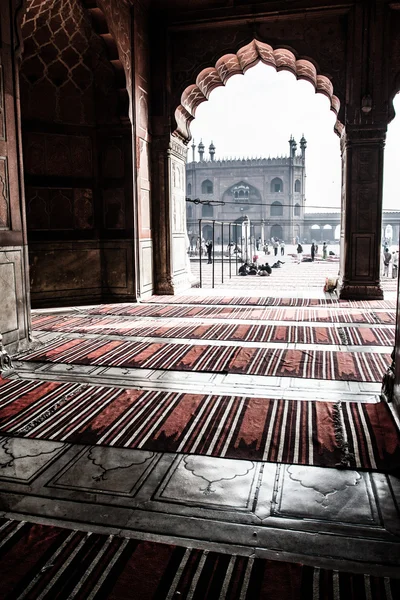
169, 215
362, 155
14, 284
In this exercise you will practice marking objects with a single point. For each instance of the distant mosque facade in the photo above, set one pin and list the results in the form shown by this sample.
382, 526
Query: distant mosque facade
269, 191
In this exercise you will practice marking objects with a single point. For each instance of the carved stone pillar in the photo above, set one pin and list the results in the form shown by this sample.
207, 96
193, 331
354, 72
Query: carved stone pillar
14, 290
169, 215
362, 154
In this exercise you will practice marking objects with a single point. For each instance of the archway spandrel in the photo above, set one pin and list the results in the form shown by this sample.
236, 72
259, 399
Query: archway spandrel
227, 66
247, 57
284, 59
266, 53
183, 120
306, 70
208, 80
191, 98
324, 86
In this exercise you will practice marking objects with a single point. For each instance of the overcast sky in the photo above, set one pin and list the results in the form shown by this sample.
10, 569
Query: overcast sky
255, 114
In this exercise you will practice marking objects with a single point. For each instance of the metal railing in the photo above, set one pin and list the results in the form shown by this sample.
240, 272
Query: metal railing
230, 236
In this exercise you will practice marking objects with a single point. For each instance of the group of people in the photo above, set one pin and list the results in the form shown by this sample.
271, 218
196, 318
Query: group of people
313, 252
390, 259
256, 269
278, 246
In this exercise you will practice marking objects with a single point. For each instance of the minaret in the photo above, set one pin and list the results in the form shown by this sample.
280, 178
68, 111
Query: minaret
200, 148
291, 142
193, 151
292, 155
303, 146
211, 150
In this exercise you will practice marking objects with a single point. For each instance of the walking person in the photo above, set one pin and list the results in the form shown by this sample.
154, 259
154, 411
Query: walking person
325, 251
395, 264
282, 248
209, 251
313, 251
387, 257
299, 252
275, 246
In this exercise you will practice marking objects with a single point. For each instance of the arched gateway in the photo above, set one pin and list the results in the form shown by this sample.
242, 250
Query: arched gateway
128, 205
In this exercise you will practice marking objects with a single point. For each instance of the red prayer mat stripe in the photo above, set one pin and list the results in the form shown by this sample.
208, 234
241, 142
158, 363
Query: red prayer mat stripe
48, 562
303, 334
277, 362
274, 430
324, 314
270, 301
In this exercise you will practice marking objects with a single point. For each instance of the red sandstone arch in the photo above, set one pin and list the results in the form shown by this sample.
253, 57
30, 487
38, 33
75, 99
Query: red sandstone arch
248, 56
101, 27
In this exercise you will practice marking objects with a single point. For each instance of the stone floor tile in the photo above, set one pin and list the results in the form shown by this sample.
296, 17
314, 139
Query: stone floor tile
106, 470
21, 460
329, 494
206, 481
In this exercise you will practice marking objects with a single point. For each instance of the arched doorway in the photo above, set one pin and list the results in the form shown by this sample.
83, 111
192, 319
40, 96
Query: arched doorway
210, 78
327, 233
315, 233
207, 232
276, 232
77, 148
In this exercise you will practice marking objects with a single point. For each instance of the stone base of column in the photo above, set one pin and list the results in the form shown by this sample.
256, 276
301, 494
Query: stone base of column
170, 287
164, 287
5, 358
352, 291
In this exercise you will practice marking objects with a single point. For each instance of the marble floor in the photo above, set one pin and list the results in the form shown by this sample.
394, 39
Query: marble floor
337, 518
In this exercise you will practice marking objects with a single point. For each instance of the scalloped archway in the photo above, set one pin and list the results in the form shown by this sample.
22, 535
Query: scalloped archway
248, 56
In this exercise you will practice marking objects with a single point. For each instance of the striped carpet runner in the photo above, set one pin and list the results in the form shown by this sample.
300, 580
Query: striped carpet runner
270, 301
354, 435
314, 364
41, 561
317, 315
294, 334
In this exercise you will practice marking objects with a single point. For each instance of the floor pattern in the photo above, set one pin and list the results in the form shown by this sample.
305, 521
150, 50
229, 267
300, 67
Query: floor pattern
164, 328
237, 427
280, 362
322, 315
223, 468
50, 562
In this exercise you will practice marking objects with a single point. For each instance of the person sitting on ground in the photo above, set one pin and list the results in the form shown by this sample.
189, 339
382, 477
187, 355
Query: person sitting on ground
252, 269
243, 270
265, 270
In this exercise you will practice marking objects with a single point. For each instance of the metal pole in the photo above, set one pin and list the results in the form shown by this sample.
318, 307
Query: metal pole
201, 282
237, 249
213, 253
229, 253
222, 253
